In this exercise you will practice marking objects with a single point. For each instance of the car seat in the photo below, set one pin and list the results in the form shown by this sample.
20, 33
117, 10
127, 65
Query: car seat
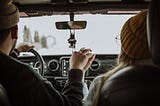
4, 101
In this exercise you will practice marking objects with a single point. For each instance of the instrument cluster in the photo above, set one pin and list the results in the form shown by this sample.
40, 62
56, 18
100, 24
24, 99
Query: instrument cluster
58, 66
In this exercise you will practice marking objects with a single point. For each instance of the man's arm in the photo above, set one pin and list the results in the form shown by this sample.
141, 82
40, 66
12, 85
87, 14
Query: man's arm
72, 94
41, 93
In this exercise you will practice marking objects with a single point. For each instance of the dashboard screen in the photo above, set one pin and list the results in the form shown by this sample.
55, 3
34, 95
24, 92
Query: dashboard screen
65, 65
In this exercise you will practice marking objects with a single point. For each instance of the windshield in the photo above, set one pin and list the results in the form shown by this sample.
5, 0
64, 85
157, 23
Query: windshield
99, 35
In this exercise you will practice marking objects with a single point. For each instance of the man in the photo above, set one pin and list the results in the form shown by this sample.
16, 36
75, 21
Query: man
24, 86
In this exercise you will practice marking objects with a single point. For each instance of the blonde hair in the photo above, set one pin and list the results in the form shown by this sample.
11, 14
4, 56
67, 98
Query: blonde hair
123, 60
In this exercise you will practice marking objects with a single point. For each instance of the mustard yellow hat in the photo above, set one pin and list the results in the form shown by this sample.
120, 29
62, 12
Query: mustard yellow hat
134, 37
9, 14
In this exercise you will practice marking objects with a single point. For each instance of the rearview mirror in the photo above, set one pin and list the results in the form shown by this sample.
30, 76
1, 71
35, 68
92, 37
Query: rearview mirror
71, 25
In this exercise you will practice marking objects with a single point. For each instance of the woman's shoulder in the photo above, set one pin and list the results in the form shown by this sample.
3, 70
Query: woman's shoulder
92, 89
96, 81
98, 78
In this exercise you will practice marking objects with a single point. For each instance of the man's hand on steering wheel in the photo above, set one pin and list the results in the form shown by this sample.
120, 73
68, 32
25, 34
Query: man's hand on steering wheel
24, 47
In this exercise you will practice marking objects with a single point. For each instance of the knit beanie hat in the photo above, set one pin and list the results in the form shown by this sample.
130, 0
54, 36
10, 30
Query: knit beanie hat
9, 14
134, 37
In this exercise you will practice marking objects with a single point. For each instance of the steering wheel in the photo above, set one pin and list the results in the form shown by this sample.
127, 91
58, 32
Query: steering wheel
41, 61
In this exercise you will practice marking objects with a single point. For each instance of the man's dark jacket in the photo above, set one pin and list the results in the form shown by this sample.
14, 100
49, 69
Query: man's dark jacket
25, 87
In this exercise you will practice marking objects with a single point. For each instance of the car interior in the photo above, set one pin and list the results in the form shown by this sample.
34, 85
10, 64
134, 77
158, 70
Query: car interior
56, 44
58, 27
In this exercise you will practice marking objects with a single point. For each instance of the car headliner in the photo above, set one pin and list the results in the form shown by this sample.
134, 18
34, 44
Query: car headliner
31, 8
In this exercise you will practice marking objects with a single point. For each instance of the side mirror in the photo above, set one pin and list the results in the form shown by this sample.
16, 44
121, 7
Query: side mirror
71, 25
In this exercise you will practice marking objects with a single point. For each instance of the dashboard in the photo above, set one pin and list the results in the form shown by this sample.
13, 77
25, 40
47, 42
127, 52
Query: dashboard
57, 67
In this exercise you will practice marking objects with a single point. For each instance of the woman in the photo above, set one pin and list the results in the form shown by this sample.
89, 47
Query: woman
134, 50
